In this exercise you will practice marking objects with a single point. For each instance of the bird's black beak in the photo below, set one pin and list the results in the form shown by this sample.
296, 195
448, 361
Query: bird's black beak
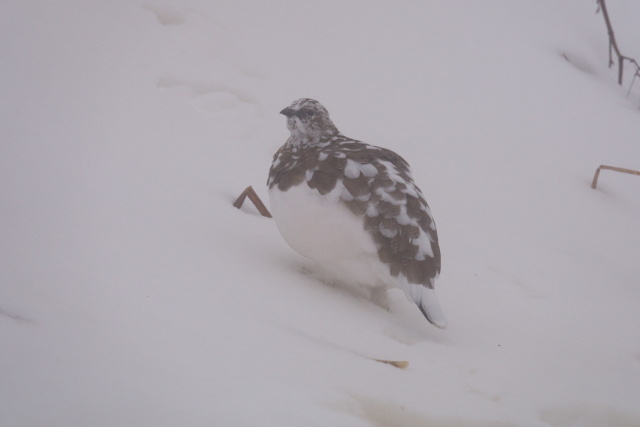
287, 112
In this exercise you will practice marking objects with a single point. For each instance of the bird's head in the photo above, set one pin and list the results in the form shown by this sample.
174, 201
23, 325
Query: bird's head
309, 122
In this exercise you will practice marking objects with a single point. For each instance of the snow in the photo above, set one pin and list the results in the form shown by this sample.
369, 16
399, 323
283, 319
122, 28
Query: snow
133, 294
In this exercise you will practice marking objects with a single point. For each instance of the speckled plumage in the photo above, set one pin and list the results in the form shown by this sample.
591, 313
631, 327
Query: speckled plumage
354, 209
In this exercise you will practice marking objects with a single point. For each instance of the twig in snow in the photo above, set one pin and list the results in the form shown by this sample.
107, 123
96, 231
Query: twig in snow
613, 46
611, 168
251, 194
400, 364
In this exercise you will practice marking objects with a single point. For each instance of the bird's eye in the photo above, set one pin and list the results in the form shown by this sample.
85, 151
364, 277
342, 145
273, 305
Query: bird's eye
305, 113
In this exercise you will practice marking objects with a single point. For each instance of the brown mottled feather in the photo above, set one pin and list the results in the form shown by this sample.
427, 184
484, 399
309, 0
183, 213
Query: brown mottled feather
397, 252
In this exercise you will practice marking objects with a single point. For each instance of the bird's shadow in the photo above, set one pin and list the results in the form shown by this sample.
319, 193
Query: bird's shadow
376, 295
404, 323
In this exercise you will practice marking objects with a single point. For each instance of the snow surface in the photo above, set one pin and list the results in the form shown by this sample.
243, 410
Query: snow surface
133, 294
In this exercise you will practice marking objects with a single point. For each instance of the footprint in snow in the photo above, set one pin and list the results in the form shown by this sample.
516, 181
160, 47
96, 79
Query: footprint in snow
380, 412
636, 362
589, 415
219, 101
166, 15
12, 315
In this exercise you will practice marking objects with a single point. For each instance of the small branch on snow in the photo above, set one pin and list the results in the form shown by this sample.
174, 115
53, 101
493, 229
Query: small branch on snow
613, 46
251, 194
400, 364
611, 168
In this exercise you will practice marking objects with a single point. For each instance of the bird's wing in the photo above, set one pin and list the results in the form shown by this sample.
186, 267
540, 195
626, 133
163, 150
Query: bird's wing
395, 212
376, 184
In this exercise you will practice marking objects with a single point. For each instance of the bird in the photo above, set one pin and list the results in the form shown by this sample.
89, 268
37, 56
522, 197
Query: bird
354, 209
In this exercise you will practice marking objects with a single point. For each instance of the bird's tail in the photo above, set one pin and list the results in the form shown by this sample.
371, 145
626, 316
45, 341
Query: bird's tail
427, 301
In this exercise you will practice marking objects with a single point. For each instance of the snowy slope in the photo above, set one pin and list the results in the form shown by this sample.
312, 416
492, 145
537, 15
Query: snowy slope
133, 294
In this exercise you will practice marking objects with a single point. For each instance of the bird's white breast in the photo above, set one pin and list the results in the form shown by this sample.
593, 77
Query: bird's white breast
322, 229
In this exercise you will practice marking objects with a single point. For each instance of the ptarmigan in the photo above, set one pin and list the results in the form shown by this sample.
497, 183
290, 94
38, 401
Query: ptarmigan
354, 209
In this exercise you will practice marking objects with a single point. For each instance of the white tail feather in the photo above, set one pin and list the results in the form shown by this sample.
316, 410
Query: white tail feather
427, 301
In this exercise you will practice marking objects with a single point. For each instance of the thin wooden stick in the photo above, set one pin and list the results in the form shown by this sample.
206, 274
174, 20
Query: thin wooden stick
251, 194
400, 364
611, 168
613, 45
